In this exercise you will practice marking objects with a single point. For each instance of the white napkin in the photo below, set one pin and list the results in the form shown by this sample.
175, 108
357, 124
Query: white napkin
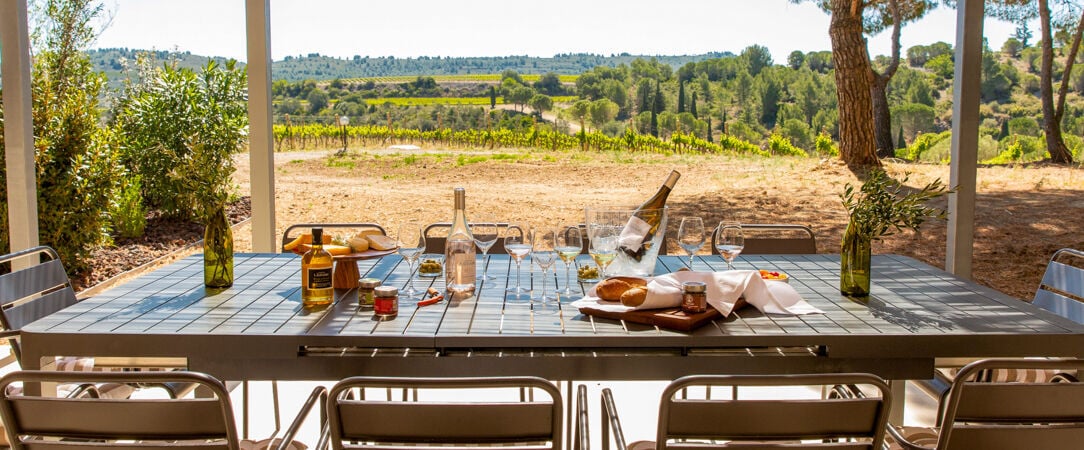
723, 289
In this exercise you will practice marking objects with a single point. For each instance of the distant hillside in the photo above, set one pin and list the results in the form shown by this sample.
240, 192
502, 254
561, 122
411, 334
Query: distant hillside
318, 67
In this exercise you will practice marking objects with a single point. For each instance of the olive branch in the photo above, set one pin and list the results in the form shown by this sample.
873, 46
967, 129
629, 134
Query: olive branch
881, 207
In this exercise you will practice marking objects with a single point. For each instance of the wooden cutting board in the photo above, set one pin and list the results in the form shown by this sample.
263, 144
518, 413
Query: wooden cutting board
669, 318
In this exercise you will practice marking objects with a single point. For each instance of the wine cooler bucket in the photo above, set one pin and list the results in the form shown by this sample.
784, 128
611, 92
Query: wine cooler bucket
630, 234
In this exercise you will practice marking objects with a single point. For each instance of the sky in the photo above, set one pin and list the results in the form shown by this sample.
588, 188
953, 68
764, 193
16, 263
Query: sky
412, 28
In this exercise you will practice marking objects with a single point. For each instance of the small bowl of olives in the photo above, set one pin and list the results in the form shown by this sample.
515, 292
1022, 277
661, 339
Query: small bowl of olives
431, 266
588, 274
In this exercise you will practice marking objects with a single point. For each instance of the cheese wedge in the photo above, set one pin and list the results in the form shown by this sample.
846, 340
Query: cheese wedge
359, 244
381, 242
304, 239
336, 250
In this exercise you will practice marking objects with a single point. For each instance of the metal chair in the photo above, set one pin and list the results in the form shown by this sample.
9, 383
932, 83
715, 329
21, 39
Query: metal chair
436, 235
88, 424
980, 414
43, 289
358, 422
287, 235
774, 239
838, 423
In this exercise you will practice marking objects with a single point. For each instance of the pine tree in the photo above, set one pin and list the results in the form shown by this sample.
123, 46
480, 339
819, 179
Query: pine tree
692, 106
681, 96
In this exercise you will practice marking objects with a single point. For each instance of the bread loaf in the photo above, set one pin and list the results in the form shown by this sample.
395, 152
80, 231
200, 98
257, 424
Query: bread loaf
634, 297
612, 288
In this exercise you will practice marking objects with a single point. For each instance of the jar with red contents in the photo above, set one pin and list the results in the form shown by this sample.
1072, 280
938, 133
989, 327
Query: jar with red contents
385, 302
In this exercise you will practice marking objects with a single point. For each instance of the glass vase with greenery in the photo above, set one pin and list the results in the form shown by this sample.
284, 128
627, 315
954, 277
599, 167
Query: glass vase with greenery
881, 207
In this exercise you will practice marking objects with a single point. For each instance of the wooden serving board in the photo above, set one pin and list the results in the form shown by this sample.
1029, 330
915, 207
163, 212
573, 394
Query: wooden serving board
669, 318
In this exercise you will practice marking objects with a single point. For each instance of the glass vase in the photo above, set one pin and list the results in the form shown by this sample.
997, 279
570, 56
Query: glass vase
854, 264
218, 251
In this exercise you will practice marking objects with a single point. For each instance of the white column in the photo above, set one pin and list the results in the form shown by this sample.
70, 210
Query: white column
261, 146
18, 128
965, 136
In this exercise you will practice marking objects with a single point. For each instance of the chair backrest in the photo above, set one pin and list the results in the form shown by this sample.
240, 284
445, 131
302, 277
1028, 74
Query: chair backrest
1013, 415
774, 239
32, 293
34, 422
774, 420
436, 235
1062, 289
289, 234
463, 411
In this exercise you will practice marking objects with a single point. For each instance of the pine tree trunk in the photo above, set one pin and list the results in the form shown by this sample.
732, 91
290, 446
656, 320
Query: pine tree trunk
882, 119
1055, 144
853, 82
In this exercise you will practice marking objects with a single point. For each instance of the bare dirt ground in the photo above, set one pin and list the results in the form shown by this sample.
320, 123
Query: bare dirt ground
1023, 214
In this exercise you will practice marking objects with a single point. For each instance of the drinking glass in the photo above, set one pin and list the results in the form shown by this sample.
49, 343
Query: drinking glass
518, 241
691, 236
485, 236
730, 241
544, 254
411, 240
568, 244
603, 247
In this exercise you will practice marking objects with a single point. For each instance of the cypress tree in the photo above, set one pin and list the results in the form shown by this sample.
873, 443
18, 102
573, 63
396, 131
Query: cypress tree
681, 96
659, 106
1004, 130
654, 124
645, 99
492, 97
901, 143
710, 140
692, 105
722, 126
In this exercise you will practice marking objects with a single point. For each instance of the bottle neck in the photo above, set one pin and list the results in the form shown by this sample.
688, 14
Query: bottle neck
317, 238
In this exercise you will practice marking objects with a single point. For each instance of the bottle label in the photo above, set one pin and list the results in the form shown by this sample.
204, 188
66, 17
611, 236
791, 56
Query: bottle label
632, 236
459, 265
320, 278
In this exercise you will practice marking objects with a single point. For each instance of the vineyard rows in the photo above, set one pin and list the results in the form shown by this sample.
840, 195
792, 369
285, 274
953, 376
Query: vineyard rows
319, 136
478, 78
469, 101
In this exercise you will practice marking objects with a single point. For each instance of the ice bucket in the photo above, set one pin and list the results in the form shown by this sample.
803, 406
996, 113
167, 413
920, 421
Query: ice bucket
632, 234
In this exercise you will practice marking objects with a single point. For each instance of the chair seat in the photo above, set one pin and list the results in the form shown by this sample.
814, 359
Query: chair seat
107, 390
924, 436
1010, 375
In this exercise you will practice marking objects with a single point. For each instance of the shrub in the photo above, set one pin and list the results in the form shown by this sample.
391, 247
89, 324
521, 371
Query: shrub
1026, 126
780, 145
180, 131
129, 216
825, 146
923, 142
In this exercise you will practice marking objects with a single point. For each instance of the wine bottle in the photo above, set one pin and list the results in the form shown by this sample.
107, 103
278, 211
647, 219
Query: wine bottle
645, 220
316, 264
459, 265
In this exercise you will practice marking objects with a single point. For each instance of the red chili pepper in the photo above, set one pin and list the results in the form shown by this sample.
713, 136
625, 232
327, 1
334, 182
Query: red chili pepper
431, 300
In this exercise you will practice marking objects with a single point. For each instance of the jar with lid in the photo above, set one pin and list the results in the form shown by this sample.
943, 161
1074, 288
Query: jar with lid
385, 302
694, 298
365, 292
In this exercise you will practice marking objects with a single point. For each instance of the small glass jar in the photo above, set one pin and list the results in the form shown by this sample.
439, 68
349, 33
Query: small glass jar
365, 292
385, 302
694, 298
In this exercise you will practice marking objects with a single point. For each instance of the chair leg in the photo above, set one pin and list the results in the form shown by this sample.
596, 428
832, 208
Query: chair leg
244, 409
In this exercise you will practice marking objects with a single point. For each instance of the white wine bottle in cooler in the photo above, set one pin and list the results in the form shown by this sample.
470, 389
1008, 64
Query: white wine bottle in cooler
644, 223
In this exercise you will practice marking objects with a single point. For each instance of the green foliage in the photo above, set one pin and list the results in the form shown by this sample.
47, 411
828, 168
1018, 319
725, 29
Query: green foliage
780, 145
825, 146
941, 66
127, 211
180, 131
883, 206
1026, 126
923, 142
797, 132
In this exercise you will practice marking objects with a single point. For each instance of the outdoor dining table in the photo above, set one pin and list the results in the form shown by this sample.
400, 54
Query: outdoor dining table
258, 330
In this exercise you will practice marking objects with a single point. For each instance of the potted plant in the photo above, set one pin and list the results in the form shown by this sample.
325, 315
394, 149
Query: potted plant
879, 208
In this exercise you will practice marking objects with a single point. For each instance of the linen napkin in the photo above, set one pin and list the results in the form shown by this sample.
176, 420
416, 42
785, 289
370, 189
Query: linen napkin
723, 291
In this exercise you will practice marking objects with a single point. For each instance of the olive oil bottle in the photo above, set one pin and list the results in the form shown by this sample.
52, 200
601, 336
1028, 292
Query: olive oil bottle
316, 265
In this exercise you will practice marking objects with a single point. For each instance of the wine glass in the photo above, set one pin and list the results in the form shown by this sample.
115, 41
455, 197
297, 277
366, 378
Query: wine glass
730, 241
411, 240
485, 236
517, 242
691, 236
603, 247
568, 244
544, 254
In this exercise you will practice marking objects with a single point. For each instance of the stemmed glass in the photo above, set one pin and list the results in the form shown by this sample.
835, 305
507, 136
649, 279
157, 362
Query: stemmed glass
730, 241
691, 236
603, 247
485, 236
568, 243
544, 254
411, 242
517, 242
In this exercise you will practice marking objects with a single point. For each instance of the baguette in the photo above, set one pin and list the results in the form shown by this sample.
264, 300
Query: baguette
612, 288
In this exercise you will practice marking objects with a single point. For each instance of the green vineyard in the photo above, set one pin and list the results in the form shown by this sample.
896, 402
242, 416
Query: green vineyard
320, 136
464, 78
468, 101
